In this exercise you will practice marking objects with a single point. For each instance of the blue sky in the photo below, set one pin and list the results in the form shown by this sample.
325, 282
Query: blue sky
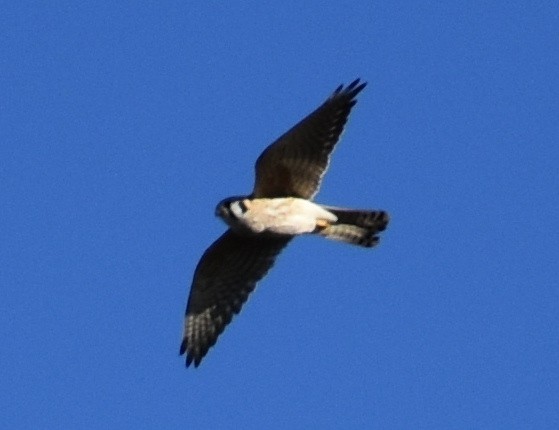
123, 124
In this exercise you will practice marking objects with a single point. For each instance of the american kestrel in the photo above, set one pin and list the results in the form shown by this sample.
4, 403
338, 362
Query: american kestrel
288, 175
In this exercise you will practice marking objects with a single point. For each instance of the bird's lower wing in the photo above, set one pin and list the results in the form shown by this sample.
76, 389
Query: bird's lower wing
226, 274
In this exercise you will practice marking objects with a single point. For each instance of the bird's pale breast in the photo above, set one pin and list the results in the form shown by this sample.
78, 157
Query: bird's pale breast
288, 215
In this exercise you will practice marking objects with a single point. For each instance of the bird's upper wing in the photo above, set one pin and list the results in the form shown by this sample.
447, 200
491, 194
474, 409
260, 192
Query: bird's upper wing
226, 274
294, 164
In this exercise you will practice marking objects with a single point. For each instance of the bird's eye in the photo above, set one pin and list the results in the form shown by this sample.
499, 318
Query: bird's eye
228, 211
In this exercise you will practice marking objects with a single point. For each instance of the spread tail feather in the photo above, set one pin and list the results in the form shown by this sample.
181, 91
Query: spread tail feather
358, 227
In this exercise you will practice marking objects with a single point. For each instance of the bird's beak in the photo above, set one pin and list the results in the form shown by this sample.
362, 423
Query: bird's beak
220, 211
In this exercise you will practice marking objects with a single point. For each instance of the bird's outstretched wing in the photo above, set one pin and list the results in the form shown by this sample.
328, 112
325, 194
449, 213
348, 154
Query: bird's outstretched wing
294, 164
226, 274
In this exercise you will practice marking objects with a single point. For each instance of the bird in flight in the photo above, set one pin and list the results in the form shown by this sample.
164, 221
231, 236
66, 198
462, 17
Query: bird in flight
280, 207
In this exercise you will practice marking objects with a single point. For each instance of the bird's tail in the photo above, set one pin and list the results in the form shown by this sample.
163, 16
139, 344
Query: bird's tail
358, 227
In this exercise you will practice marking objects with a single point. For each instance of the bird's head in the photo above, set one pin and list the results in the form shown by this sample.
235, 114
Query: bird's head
231, 209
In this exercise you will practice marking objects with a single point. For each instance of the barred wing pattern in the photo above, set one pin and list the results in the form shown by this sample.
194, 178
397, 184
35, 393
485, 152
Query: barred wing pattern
225, 276
294, 164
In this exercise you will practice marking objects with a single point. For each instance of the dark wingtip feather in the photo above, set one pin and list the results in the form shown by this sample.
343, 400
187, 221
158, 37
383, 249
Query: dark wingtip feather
189, 357
351, 90
355, 88
354, 84
193, 359
182, 349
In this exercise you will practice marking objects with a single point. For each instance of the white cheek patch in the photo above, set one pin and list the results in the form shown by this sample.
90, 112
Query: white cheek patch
237, 210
